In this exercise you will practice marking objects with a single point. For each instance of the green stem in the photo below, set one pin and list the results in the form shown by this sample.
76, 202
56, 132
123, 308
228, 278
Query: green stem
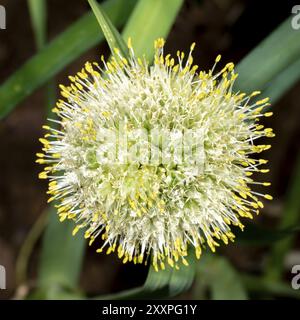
27, 248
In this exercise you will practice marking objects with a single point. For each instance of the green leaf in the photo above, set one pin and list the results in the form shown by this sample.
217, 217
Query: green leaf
38, 15
221, 278
283, 82
155, 19
111, 34
269, 59
162, 284
61, 256
65, 48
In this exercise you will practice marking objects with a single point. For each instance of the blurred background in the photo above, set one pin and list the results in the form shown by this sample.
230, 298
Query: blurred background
229, 27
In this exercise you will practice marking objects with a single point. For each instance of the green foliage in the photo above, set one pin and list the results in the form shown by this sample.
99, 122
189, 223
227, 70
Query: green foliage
159, 15
111, 34
269, 59
219, 276
38, 14
55, 56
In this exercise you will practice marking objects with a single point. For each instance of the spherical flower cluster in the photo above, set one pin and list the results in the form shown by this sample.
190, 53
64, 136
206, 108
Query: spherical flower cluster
157, 202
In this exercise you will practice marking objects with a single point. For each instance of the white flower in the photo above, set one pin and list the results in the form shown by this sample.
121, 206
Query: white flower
119, 164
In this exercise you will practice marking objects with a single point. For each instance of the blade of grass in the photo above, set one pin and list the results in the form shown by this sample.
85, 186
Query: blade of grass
283, 82
112, 36
37, 9
38, 16
27, 248
152, 18
65, 48
274, 54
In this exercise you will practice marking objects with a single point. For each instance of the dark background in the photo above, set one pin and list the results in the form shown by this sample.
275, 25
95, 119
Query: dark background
229, 27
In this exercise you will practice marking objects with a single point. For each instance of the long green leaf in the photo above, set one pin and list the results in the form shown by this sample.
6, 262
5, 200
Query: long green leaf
273, 55
38, 16
37, 9
68, 46
112, 36
283, 82
150, 20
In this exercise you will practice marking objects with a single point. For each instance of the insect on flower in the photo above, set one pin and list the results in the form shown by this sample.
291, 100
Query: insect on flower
155, 158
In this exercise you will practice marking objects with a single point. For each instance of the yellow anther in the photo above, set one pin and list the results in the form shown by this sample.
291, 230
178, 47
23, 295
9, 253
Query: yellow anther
50, 199
263, 101
255, 93
268, 114
260, 204
40, 155
218, 58
268, 197
198, 252
265, 170
87, 234
43, 175
266, 184
184, 261
75, 230
129, 43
